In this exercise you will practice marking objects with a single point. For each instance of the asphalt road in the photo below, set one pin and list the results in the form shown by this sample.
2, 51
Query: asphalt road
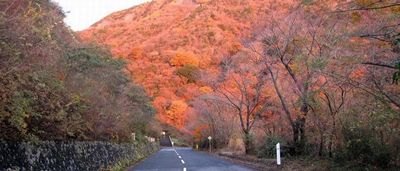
185, 159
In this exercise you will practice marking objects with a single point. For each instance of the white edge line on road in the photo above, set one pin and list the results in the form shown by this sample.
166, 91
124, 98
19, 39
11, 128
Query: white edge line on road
184, 169
180, 157
183, 162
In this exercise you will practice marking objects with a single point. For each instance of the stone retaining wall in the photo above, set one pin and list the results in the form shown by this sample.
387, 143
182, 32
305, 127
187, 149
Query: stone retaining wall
49, 155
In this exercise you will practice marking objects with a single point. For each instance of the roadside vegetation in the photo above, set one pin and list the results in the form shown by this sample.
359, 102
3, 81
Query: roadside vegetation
53, 87
321, 79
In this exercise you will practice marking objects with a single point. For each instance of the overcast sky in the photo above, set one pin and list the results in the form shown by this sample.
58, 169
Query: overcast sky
83, 13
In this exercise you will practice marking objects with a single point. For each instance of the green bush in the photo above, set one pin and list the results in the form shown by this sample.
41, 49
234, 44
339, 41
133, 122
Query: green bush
190, 72
363, 148
268, 150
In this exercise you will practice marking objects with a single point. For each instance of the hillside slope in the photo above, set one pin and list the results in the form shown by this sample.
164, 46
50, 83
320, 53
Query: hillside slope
170, 43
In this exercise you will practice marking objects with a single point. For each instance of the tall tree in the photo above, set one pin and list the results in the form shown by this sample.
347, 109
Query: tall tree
294, 52
241, 85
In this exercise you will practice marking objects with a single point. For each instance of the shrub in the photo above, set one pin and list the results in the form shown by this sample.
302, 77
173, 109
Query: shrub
363, 148
268, 150
190, 72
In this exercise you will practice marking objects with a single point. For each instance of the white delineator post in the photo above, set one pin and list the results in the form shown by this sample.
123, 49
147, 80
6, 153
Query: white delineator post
209, 142
133, 136
278, 154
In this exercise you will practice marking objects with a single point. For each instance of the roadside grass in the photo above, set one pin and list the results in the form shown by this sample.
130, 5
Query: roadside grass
299, 163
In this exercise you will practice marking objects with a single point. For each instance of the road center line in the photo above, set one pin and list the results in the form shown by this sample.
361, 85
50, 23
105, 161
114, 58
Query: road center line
183, 162
184, 169
180, 157
176, 152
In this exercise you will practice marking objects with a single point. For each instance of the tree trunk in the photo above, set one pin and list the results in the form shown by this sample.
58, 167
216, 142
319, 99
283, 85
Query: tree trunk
299, 130
321, 144
331, 137
247, 142
299, 135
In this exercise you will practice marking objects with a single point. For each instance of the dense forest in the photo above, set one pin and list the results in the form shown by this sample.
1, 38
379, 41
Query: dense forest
53, 87
322, 77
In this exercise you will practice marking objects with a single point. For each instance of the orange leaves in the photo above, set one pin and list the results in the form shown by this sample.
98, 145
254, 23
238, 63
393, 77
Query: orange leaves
357, 73
198, 132
205, 89
184, 58
175, 113
236, 47
177, 106
136, 53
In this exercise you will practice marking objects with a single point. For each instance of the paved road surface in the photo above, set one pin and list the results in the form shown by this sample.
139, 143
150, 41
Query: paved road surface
185, 159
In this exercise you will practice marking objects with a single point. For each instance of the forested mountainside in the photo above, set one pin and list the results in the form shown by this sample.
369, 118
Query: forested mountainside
53, 87
170, 43
321, 77
317, 74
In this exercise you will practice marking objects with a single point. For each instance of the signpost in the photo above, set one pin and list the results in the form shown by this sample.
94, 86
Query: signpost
133, 136
209, 142
278, 154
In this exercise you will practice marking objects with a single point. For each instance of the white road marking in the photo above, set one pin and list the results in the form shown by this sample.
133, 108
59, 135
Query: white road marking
184, 169
180, 157
176, 152
183, 162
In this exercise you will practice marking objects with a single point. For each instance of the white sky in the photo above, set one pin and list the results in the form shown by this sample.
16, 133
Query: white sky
83, 13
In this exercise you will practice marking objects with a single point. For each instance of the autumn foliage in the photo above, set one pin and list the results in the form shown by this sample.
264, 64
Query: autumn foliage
184, 58
319, 75
53, 87
168, 43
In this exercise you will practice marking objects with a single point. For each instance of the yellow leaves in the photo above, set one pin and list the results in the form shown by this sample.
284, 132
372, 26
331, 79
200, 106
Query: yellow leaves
356, 17
205, 89
364, 3
395, 10
184, 58
175, 112
34, 11
202, 1
177, 106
